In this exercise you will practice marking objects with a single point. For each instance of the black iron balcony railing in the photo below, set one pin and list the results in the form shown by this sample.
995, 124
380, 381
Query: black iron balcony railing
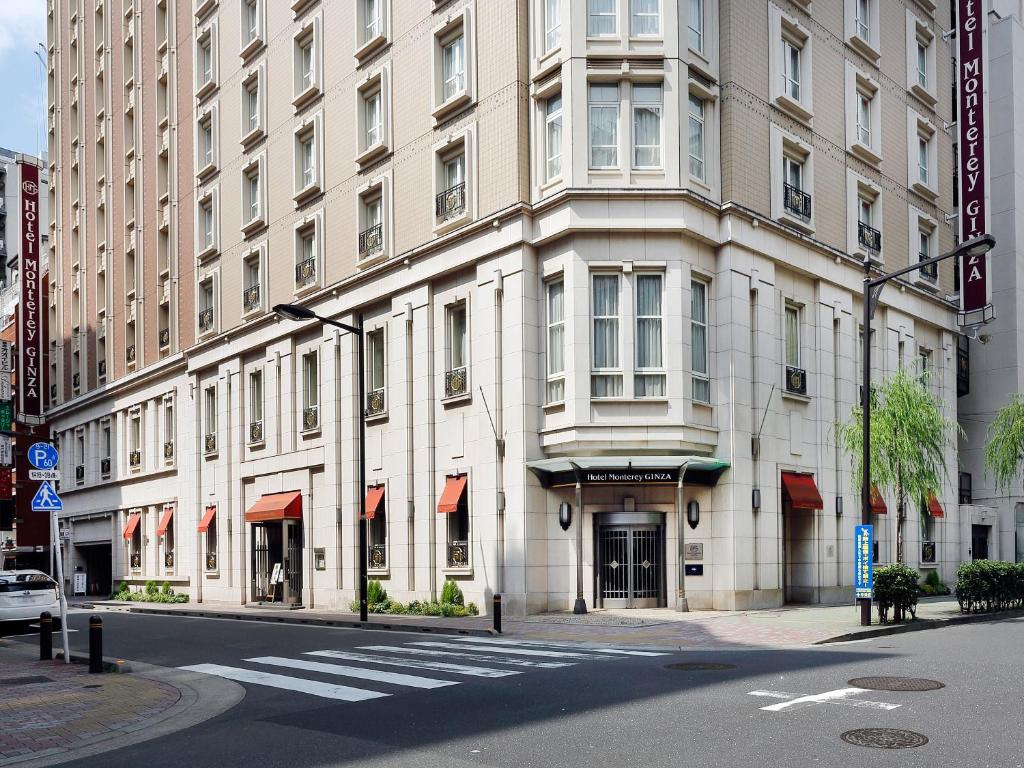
135, 459
211, 561
456, 382
206, 320
796, 201
378, 556
375, 402
105, 467
869, 237
101, 368
209, 442
129, 353
80, 473
458, 554
371, 240
929, 272
76, 380
169, 449
251, 297
451, 202
136, 560
927, 551
311, 417
796, 380
256, 432
165, 338
168, 559
305, 272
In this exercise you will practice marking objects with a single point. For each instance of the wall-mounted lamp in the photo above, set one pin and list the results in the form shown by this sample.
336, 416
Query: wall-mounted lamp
565, 515
839, 506
755, 499
692, 513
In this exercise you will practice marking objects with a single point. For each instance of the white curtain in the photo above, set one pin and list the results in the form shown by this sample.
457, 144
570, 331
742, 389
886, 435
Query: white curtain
606, 321
601, 17
604, 125
554, 136
376, 340
697, 25
556, 329
645, 17
699, 341
792, 337
696, 137
453, 68
648, 321
552, 23
646, 125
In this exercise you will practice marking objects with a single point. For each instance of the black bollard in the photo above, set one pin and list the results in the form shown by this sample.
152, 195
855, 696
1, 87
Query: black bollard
45, 636
497, 613
95, 644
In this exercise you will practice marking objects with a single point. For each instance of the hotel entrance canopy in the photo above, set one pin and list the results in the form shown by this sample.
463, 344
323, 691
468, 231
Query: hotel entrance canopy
627, 470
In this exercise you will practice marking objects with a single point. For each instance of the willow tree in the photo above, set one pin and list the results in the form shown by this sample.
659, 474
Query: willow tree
1004, 454
909, 440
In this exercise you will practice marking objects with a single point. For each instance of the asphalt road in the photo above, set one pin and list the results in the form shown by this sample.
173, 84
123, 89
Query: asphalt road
594, 709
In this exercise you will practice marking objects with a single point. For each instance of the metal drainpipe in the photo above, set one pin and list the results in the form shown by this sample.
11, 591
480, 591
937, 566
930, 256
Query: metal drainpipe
199, 492
755, 451
431, 455
499, 443
410, 454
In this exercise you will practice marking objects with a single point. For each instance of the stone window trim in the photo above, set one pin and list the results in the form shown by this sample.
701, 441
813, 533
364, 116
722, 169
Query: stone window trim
207, 38
920, 32
209, 198
254, 166
208, 280
859, 187
379, 187
378, 82
920, 128
786, 29
309, 34
711, 182
251, 44
311, 224
256, 253
460, 23
704, 60
865, 43
312, 127
255, 79
209, 117
787, 145
367, 44
464, 142
858, 85
919, 222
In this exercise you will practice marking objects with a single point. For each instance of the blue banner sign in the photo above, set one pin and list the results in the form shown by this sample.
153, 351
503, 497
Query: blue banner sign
863, 562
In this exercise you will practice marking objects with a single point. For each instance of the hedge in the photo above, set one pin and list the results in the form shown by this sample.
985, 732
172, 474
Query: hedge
896, 588
989, 585
452, 603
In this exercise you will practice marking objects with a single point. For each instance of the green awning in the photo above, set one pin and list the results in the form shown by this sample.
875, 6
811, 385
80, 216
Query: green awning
627, 470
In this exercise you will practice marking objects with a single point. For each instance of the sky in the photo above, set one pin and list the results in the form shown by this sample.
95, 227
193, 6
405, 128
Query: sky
22, 79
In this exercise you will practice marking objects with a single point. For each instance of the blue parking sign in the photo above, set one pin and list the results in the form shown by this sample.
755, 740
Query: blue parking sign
42, 456
863, 562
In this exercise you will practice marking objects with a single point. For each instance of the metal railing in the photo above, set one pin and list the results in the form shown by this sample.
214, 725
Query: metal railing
169, 449
456, 382
375, 402
927, 551
458, 554
206, 320
311, 417
796, 201
105, 467
80, 473
168, 559
101, 369
165, 337
929, 272
378, 556
136, 560
305, 272
135, 459
796, 380
869, 237
256, 432
451, 202
129, 353
371, 240
209, 442
251, 297
211, 561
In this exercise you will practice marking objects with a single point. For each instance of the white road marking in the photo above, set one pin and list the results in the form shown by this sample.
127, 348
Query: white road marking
542, 644
516, 651
471, 656
838, 696
297, 684
396, 678
440, 666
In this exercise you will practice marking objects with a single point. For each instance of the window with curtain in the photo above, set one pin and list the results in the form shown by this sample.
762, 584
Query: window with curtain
793, 172
606, 378
552, 24
646, 125
252, 99
863, 19
696, 24
209, 411
310, 380
645, 17
699, 369
251, 19
792, 336
555, 392
601, 17
455, 171
922, 64
791, 69
864, 211
553, 136
373, 119
375, 359
454, 67
253, 193
373, 19
306, 64
649, 342
696, 137
922, 159
864, 118
456, 336
604, 125
924, 239
206, 209
206, 140
256, 397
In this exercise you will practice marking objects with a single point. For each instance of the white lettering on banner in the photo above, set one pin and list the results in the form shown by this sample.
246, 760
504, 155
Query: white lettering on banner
30, 341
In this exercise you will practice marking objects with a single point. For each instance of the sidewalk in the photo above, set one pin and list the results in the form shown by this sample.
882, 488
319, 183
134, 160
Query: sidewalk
54, 712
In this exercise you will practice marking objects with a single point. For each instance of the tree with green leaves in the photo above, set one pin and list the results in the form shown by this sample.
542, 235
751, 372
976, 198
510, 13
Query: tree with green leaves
1004, 454
909, 439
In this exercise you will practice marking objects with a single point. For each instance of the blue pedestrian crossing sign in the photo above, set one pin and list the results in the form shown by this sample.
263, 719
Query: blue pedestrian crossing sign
42, 456
46, 499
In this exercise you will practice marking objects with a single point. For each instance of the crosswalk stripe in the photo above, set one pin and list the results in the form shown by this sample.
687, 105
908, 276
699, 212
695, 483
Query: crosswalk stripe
517, 651
297, 684
396, 678
544, 644
440, 666
470, 656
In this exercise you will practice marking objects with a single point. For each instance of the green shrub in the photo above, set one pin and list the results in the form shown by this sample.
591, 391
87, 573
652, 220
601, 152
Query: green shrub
122, 587
932, 585
451, 594
896, 589
989, 585
375, 595
472, 610
151, 587
166, 589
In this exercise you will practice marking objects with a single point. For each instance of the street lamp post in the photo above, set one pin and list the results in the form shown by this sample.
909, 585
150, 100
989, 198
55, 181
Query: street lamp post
296, 312
977, 246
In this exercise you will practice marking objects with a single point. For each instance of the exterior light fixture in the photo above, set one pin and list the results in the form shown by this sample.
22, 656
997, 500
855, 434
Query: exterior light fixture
692, 513
294, 312
565, 515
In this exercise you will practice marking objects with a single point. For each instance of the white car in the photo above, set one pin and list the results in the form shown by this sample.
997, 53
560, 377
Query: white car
26, 594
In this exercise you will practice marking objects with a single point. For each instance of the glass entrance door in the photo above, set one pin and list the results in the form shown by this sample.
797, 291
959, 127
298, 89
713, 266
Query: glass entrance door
630, 569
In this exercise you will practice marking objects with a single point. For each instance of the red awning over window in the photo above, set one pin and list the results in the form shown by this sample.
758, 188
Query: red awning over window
208, 515
934, 508
878, 506
276, 506
454, 487
374, 498
165, 521
132, 524
801, 490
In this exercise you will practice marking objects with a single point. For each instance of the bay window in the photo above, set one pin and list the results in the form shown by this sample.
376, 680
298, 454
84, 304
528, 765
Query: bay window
699, 369
606, 376
555, 391
604, 125
649, 380
646, 125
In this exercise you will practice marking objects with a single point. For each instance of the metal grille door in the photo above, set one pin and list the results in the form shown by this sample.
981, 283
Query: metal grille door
260, 563
614, 546
645, 568
630, 567
293, 568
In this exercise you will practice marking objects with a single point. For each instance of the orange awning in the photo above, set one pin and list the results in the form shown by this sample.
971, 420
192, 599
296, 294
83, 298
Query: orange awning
165, 521
454, 487
374, 497
801, 490
934, 508
878, 506
276, 506
132, 524
208, 515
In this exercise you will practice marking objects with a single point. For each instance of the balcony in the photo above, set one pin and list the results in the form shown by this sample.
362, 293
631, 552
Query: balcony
371, 241
256, 432
310, 417
929, 272
135, 459
927, 551
458, 554
796, 201
375, 402
165, 338
796, 380
451, 203
209, 442
206, 320
305, 272
80, 473
456, 382
105, 467
169, 450
251, 298
868, 237
378, 557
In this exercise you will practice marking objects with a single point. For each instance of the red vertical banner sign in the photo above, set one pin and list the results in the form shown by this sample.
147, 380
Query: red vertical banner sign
30, 312
975, 285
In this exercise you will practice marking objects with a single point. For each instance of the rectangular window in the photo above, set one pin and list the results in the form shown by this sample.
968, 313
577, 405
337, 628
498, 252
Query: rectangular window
252, 105
251, 13
604, 125
454, 67
645, 17
310, 391
206, 59
925, 366
863, 19
553, 136
922, 159
699, 369
252, 185
601, 17
793, 172
922, 64
306, 73
646, 126
373, 119
206, 142
696, 138
696, 24
374, 25
255, 401
307, 157
792, 336
375, 360
456, 336
864, 207
206, 213
649, 342
864, 118
555, 392
168, 429
210, 413
791, 69
552, 24
604, 381
106, 444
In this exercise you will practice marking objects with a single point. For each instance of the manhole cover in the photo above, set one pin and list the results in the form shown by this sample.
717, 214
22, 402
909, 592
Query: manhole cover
896, 684
884, 738
25, 680
700, 666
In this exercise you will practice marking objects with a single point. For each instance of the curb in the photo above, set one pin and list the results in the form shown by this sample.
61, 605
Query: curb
919, 625
310, 621
110, 664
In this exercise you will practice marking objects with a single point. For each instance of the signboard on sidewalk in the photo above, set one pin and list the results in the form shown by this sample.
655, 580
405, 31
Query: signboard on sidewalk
863, 562
30, 310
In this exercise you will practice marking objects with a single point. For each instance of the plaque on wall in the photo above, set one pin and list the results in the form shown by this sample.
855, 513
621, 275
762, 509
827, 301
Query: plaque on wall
695, 570
694, 551
320, 558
